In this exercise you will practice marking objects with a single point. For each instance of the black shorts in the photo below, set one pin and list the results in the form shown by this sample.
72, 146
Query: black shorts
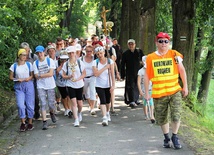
104, 95
63, 92
75, 93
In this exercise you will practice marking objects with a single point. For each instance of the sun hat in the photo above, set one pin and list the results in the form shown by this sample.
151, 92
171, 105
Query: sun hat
39, 48
51, 47
22, 50
78, 47
70, 49
63, 54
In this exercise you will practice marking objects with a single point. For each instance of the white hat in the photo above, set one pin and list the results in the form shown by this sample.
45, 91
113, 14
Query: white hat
131, 41
78, 47
63, 54
70, 49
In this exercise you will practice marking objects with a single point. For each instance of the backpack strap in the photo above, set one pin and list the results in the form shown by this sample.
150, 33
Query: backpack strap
67, 67
97, 61
14, 69
15, 66
78, 62
48, 61
28, 64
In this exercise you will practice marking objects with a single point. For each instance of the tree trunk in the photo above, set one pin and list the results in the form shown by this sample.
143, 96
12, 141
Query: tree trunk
65, 22
200, 36
134, 20
183, 33
205, 79
113, 17
124, 33
147, 26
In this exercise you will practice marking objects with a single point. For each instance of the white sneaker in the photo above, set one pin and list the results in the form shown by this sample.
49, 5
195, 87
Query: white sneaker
108, 117
93, 112
76, 123
80, 116
105, 121
66, 112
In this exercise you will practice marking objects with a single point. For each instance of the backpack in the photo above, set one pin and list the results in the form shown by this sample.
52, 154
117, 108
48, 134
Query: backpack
78, 62
15, 66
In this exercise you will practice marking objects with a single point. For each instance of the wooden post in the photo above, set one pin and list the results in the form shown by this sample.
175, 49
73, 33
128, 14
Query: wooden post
103, 15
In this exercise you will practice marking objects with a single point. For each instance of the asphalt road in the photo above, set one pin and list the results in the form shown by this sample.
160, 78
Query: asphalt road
127, 133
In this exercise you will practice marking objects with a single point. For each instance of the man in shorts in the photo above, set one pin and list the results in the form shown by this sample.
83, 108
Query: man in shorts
164, 67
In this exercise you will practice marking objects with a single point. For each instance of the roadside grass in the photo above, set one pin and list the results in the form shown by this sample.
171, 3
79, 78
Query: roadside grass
198, 131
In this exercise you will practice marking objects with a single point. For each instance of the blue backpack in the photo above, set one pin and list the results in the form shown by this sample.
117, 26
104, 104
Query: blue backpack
15, 66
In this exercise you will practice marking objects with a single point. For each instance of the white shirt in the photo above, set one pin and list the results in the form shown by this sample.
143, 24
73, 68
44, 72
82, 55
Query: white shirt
77, 74
88, 67
102, 80
44, 83
22, 71
141, 73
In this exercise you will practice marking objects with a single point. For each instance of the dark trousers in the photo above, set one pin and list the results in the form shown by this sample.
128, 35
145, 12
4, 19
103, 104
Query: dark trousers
131, 90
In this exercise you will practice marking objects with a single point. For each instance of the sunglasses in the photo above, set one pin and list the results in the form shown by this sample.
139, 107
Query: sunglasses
163, 41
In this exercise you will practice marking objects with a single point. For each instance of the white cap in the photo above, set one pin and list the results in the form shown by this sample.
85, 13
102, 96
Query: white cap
78, 47
70, 49
131, 41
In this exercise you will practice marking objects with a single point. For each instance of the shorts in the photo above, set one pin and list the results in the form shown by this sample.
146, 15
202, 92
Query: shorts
75, 93
89, 88
63, 92
104, 95
168, 106
151, 103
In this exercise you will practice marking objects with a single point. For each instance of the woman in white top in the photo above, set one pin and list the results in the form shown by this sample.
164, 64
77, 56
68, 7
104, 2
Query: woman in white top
61, 82
44, 70
103, 69
74, 72
89, 80
21, 72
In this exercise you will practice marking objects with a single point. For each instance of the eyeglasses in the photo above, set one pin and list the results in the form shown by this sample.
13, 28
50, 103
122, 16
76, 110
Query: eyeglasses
163, 41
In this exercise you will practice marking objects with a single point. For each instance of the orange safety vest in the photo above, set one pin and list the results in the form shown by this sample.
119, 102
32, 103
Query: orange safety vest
163, 72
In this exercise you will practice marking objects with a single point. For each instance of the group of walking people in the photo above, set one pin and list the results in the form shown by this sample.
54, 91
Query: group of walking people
92, 73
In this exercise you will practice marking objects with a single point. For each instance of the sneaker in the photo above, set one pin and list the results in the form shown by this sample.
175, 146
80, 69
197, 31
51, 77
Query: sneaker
22, 128
93, 112
175, 142
76, 123
66, 112
105, 121
166, 143
53, 117
45, 125
153, 121
108, 117
58, 107
30, 127
80, 116
70, 114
